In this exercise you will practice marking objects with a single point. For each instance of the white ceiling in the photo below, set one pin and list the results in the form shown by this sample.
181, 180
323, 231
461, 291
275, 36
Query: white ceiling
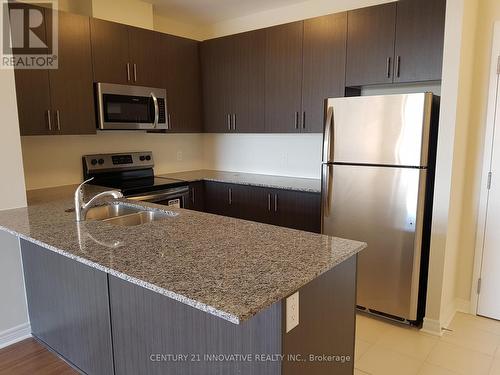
213, 11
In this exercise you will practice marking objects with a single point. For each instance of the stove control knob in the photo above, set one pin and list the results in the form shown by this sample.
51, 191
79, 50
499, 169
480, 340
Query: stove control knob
93, 161
148, 158
101, 161
142, 158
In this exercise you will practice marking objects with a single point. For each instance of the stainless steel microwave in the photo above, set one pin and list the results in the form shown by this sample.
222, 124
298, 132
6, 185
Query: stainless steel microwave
124, 107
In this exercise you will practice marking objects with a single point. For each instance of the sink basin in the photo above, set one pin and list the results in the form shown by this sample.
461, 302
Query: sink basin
137, 218
110, 211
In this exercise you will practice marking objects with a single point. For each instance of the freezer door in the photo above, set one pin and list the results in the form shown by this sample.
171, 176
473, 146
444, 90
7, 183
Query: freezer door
378, 130
382, 206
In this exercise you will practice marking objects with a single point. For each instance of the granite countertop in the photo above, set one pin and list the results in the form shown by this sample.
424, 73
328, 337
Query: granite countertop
311, 185
227, 267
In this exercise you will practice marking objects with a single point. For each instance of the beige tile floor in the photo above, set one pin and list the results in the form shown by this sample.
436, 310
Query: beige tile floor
471, 347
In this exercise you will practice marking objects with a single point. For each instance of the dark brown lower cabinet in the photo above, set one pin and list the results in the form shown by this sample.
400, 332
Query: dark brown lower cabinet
68, 306
156, 335
287, 208
196, 196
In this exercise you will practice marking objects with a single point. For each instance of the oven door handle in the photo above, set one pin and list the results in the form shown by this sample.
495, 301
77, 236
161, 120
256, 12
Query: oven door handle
174, 193
157, 110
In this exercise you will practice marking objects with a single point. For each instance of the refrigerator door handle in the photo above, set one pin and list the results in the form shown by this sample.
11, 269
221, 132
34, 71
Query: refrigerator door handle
327, 189
327, 137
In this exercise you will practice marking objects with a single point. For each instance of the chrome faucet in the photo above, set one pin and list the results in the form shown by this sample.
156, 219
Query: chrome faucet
81, 208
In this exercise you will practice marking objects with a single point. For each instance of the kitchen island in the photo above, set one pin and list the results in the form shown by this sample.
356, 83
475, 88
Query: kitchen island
193, 293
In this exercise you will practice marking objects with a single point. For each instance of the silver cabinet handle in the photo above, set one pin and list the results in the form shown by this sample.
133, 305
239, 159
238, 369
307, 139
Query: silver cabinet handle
135, 72
269, 202
228, 120
230, 196
157, 110
49, 121
304, 120
388, 67
296, 120
275, 202
128, 72
169, 122
58, 120
398, 65
193, 191
234, 121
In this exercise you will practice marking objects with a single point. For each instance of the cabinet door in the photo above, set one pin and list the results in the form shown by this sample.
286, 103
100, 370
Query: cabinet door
297, 210
419, 40
71, 85
217, 199
68, 305
370, 45
32, 90
324, 67
247, 89
216, 76
197, 196
284, 78
181, 66
145, 58
110, 51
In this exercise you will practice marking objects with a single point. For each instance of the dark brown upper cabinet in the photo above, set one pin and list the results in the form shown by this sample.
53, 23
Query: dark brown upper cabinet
60, 101
126, 55
419, 40
145, 57
71, 86
370, 45
323, 67
233, 83
182, 74
400, 42
216, 83
110, 51
284, 78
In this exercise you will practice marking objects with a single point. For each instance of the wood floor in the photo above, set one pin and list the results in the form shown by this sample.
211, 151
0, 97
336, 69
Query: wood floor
28, 357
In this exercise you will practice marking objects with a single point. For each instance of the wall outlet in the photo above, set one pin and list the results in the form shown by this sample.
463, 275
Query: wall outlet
179, 155
292, 312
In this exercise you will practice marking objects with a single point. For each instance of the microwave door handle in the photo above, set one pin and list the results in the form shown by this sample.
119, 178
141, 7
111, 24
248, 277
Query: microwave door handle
327, 140
157, 110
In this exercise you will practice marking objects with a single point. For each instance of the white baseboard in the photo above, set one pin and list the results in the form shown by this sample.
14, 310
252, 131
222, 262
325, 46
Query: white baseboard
15, 334
435, 327
432, 327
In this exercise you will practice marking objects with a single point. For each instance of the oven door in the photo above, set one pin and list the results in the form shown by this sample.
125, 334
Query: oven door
175, 197
124, 107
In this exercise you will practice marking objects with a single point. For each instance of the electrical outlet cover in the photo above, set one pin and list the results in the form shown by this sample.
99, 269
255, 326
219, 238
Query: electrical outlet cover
292, 312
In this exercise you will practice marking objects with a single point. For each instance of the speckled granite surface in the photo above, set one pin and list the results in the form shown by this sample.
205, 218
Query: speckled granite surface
279, 182
227, 267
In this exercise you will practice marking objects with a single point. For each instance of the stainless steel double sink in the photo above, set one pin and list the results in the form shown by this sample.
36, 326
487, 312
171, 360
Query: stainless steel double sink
123, 215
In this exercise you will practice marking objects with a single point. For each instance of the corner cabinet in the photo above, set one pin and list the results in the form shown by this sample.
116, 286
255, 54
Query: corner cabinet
60, 101
68, 306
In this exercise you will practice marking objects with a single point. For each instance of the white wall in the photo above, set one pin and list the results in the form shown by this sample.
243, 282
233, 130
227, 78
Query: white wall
13, 312
130, 12
296, 155
57, 160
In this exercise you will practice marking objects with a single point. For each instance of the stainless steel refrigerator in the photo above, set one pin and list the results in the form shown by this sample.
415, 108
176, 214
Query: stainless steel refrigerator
377, 182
